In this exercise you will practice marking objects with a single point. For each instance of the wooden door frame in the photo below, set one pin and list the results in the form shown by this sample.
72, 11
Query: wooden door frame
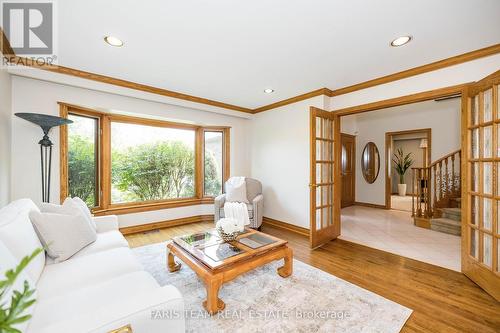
353, 137
457, 90
388, 138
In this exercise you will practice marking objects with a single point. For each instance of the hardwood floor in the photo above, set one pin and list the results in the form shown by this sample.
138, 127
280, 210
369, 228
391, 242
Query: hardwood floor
442, 300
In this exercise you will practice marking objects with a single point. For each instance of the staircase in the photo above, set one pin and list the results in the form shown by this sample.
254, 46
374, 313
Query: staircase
437, 202
450, 221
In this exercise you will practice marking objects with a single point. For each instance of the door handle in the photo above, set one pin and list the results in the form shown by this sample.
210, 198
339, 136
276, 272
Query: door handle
313, 185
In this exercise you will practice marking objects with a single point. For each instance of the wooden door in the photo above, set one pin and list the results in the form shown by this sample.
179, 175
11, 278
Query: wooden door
347, 166
481, 227
324, 190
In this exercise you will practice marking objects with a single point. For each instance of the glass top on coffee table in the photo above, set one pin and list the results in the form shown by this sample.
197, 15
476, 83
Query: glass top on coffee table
211, 249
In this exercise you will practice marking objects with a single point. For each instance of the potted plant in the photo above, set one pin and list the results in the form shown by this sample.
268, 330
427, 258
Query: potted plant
13, 303
402, 164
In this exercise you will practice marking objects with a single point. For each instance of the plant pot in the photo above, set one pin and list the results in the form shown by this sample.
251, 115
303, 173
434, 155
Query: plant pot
402, 190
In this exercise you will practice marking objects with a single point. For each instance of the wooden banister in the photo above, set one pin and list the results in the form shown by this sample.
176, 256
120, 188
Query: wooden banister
436, 185
445, 157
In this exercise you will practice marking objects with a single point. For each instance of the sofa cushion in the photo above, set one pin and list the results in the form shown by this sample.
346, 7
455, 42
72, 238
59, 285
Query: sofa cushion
19, 236
249, 207
106, 223
90, 299
63, 235
105, 241
69, 275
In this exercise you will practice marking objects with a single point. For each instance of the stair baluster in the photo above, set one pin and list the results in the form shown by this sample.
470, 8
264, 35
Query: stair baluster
453, 185
413, 191
434, 167
436, 186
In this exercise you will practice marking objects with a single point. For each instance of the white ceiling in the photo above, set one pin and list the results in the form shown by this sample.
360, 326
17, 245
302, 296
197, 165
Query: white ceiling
230, 50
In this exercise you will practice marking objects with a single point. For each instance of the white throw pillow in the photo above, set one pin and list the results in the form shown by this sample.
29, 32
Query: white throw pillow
63, 235
237, 192
83, 206
70, 206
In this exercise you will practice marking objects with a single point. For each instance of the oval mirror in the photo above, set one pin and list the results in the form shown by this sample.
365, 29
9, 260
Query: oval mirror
370, 162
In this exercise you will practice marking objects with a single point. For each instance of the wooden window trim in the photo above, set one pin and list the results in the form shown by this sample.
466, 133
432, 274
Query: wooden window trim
226, 137
105, 206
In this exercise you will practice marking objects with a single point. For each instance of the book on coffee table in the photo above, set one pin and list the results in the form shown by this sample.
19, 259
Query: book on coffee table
255, 241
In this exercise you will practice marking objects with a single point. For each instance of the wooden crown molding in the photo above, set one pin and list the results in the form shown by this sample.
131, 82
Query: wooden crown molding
12, 58
5, 45
403, 100
465, 57
319, 92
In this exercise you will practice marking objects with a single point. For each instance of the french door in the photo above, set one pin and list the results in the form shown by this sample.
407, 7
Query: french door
347, 168
481, 227
324, 190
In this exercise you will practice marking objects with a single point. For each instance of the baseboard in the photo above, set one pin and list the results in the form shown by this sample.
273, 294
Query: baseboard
287, 226
165, 224
371, 205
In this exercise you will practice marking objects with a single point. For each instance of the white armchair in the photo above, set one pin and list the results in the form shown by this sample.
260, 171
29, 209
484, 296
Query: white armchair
255, 205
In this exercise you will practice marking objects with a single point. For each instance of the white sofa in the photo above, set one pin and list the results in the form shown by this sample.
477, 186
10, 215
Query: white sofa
101, 288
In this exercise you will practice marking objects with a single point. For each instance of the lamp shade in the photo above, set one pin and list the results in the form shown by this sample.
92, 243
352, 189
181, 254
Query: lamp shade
45, 121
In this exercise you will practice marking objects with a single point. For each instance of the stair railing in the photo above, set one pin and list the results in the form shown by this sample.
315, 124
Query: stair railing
436, 186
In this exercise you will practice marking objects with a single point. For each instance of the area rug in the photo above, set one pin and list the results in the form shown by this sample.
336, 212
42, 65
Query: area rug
261, 301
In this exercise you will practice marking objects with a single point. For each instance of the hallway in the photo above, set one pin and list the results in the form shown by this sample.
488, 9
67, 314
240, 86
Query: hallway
393, 231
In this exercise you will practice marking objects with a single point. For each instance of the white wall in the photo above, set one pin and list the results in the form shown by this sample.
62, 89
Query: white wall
442, 117
5, 131
30, 95
280, 160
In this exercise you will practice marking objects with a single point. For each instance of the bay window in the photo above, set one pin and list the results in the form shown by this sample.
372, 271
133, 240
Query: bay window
121, 164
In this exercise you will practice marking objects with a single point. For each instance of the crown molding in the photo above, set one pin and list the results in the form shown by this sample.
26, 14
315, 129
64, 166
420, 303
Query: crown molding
319, 92
403, 100
459, 59
14, 59
123, 83
465, 57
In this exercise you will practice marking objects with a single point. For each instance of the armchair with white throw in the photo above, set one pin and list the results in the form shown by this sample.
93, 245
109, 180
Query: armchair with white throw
254, 200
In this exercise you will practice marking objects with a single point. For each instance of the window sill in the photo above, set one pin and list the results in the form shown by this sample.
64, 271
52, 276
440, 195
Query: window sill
145, 207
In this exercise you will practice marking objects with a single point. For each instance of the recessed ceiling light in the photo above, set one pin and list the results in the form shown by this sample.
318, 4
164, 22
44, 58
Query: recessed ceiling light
113, 41
268, 91
400, 41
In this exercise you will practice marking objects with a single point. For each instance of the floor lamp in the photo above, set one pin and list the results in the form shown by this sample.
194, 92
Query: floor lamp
46, 122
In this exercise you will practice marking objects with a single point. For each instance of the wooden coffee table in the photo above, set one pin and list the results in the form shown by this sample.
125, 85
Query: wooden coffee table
216, 262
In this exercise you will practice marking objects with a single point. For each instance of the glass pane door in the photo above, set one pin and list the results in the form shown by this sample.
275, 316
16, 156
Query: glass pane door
481, 260
323, 163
